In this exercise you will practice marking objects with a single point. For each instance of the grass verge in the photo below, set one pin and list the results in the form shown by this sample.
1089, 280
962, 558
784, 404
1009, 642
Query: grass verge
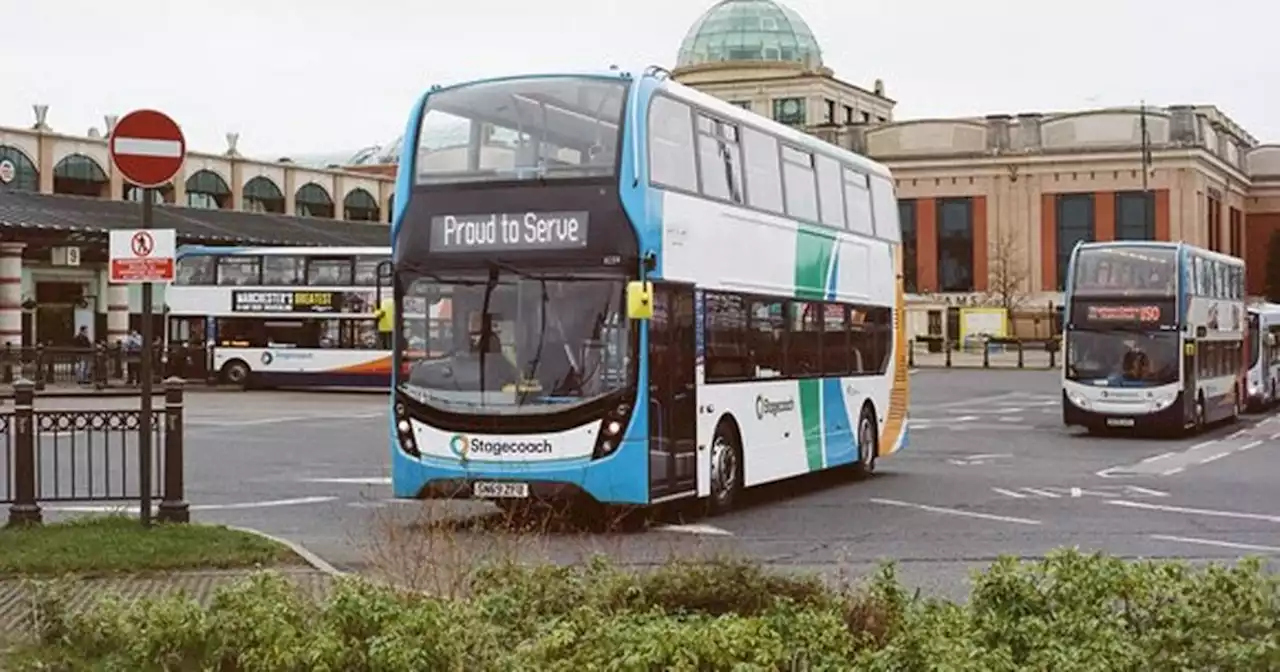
103, 545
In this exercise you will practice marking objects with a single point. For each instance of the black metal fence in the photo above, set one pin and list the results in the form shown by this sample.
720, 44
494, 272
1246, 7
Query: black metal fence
90, 456
101, 366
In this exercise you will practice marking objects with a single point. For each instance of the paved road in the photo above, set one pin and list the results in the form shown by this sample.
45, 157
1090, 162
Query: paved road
990, 471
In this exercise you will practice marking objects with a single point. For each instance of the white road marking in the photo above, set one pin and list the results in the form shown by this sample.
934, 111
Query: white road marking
1042, 493
1175, 470
1009, 493
134, 508
1213, 542
955, 512
965, 418
1146, 491
695, 528
1214, 457
1275, 436
1076, 492
1196, 512
1157, 458
1238, 434
1249, 446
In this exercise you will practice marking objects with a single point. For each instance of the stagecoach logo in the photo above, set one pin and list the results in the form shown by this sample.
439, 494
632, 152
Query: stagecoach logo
765, 406
267, 358
465, 446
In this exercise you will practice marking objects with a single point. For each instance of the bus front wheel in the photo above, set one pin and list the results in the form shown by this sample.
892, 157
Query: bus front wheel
236, 372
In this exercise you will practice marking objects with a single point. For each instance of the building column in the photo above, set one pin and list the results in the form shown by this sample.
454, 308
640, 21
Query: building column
11, 293
117, 313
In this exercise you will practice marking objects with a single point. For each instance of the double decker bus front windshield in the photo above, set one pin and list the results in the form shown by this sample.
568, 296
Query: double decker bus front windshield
533, 128
1121, 358
502, 342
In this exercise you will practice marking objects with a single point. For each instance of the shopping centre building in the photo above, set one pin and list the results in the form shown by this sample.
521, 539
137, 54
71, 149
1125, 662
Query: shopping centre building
990, 205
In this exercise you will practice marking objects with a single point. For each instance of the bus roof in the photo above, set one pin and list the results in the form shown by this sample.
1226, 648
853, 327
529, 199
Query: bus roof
1264, 308
786, 133
620, 75
199, 250
1161, 244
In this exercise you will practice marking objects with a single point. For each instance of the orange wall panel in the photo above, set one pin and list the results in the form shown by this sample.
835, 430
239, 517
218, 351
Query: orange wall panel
927, 244
1104, 215
1048, 242
1162, 215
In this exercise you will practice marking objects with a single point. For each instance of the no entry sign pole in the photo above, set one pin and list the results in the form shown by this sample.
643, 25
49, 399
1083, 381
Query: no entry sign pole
148, 148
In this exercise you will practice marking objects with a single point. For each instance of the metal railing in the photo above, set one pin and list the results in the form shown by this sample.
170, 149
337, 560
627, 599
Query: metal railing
90, 456
991, 353
101, 366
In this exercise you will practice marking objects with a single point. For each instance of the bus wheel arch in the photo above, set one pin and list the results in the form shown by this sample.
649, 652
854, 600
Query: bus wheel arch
726, 465
236, 372
868, 434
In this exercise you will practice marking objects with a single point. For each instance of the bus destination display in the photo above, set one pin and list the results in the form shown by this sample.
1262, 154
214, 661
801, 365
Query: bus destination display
288, 302
1102, 315
510, 232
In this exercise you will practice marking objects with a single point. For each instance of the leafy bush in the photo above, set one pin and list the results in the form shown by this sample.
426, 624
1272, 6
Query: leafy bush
1066, 613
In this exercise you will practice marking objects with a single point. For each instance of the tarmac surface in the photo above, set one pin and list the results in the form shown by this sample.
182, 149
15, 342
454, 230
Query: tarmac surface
990, 470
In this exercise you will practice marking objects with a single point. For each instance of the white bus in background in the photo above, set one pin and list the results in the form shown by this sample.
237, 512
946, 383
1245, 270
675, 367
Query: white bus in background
1264, 355
283, 316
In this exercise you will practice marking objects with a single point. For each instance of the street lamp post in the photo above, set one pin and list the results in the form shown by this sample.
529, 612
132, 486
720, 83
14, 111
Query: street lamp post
1147, 223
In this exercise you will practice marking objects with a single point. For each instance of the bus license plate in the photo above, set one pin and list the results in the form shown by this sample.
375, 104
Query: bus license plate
500, 490
1119, 422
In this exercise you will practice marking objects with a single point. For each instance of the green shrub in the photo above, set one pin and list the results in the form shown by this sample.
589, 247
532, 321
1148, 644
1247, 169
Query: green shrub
1068, 612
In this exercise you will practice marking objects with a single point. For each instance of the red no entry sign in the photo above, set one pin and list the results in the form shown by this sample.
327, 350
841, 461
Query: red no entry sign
147, 147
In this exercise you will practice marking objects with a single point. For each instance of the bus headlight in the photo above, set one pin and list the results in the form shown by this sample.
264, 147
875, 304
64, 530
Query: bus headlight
1078, 400
404, 431
611, 428
1165, 401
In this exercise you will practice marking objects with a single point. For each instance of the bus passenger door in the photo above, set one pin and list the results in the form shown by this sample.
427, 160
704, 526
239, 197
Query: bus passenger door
673, 445
1189, 371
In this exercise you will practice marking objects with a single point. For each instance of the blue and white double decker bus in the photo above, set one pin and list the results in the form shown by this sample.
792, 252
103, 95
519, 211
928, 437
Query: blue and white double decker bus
1264, 355
1155, 336
655, 296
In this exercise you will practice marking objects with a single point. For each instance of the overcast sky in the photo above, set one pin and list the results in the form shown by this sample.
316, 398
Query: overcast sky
310, 77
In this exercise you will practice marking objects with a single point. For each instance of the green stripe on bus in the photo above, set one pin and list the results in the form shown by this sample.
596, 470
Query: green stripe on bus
811, 419
813, 260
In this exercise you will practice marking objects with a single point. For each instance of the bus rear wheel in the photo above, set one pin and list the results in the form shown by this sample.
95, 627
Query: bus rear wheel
868, 441
236, 372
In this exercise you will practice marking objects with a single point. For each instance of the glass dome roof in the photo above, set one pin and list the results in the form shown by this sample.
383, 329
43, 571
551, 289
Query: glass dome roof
749, 30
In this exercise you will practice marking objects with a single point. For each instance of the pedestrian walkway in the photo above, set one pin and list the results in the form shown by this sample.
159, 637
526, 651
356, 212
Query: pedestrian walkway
16, 595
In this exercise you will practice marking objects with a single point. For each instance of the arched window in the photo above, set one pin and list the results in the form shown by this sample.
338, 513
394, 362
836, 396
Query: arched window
262, 195
313, 201
207, 190
79, 175
17, 172
360, 206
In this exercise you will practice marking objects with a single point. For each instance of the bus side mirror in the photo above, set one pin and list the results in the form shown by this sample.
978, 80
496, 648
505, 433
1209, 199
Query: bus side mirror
639, 300
1271, 340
